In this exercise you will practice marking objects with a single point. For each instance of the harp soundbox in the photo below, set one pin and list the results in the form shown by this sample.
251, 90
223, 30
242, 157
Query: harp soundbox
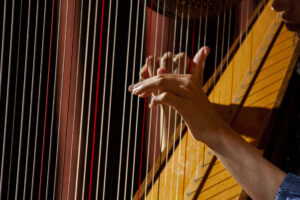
71, 130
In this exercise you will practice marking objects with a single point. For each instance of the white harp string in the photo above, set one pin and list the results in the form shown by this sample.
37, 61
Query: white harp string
23, 100
163, 121
90, 96
131, 101
179, 63
138, 105
110, 98
199, 46
1, 62
60, 100
103, 99
150, 115
32, 89
68, 104
8, 82
53, 104
75, 98
83, 99
14, 110
204, 44
124, 99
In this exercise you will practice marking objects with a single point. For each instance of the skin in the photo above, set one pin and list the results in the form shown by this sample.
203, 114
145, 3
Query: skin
183, 92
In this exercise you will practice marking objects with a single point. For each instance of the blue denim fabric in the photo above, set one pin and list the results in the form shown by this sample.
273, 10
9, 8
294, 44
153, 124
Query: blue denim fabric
290, 188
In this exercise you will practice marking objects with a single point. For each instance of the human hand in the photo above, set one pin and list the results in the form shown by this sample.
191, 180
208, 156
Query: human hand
184, 93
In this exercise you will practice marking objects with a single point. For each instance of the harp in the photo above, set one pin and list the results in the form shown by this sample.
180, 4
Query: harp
70, 129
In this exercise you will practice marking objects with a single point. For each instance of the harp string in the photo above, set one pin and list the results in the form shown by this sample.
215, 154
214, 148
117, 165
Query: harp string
54, 92
150, 115
163, 120
68, 102
82, 105
186, 144
32, 89
145, 102
23, 97
53, 101
110, 97
60, 103
8, 82
97, 89
124, 99
14, 110
75, 100
227, 58
179, 63
90, 106
199, 46
158, 108
138, 105
204, 44
185, 69
90, 99
216, 55
240, 42
1, 67
131, 102
103, 99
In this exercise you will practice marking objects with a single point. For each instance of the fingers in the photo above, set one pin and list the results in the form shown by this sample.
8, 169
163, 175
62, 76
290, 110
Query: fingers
150, 67
183, 63
164, 83
166, 62
199, 63
167, 99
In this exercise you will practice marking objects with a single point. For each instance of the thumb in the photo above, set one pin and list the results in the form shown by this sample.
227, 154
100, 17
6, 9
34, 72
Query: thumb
199, 63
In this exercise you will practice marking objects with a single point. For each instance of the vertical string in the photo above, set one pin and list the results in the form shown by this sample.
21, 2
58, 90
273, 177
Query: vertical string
185, 156
131, 102
89, 109
32, 88
138, 105
103, 98
23, 102
216, 56
8, 81
68, 102
124, 101
145, 102
199, 46
185, 69
97, 90
150, 115
75, 100
1, 64
179, 63
83, 102
110, 98
240, 42
162, 125
15, 102
54, 89
60, 102
204, 44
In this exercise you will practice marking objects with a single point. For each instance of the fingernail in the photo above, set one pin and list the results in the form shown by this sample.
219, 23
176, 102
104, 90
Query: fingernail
132, 87
137, 89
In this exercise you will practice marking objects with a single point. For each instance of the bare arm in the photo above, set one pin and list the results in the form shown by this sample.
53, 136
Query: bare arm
259, 178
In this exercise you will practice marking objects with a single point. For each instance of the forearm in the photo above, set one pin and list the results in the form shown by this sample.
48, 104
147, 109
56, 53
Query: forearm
260, 178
